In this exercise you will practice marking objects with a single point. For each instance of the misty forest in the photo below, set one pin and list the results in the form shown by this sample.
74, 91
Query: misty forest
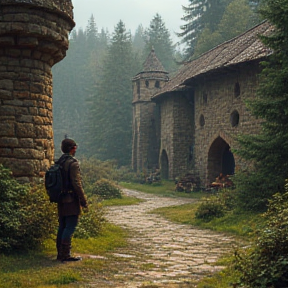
223, 237
92, 85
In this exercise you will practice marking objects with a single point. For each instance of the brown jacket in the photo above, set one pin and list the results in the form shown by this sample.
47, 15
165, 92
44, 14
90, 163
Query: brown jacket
71, 203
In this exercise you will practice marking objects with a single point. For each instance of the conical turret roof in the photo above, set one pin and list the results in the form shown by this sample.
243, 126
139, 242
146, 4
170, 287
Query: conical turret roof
153, 64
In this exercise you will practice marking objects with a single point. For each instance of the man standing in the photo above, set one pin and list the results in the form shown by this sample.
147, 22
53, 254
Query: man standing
70, 202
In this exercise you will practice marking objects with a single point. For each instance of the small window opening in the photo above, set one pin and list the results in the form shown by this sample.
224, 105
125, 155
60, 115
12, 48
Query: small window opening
237, 90
147, 83
205, 97
202, 120
234, 118
157, 84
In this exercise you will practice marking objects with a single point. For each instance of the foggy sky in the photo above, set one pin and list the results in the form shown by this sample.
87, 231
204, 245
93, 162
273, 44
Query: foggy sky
108, 13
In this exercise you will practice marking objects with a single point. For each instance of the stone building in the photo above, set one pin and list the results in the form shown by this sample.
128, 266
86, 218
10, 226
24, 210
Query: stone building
202, 110
145, 124
33, 37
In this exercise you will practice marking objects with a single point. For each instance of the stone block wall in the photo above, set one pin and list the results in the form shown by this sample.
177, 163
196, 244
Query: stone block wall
221, 115
177, 132
33, 37
146, 138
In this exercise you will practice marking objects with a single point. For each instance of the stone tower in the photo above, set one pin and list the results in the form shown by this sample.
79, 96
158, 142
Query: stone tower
33, 37
146, 124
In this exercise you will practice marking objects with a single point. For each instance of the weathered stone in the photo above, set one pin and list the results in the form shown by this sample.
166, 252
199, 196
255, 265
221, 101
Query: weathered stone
7, 110
26, 142
4, 94
6, 84
25, 130
6, 152
7, 129
9, 41
33, 37
9, 142
24, 153
25, 119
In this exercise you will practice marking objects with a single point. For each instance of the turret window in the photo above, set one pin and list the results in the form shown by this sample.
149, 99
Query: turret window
157, 84
237, 90
147, 83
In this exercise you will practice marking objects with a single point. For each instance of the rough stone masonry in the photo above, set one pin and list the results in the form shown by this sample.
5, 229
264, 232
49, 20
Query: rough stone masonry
33, 37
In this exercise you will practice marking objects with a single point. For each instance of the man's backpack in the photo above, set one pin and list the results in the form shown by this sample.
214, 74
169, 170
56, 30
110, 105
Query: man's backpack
57, 180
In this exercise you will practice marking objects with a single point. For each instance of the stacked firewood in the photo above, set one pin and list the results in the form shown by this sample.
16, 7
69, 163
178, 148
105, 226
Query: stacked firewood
222, 181
187, 184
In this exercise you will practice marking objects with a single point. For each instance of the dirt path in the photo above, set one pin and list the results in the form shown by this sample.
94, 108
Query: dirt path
162, 253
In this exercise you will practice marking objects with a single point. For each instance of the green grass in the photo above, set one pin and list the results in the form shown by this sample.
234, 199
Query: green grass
40, 269
166, 189
240, 224
125, 200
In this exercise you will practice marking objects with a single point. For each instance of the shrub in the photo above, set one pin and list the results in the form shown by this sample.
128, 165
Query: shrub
90, 222
209, 209
252, 191
106, 189
26, 215
266, 263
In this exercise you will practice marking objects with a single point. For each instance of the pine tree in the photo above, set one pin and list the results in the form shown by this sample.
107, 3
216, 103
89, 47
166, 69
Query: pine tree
198, 15
269, 149
112, 100
158, 37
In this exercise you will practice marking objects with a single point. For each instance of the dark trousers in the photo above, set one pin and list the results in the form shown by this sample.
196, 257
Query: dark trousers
67, 226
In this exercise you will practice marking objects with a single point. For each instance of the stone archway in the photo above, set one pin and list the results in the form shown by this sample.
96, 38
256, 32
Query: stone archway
220, 159
164, 162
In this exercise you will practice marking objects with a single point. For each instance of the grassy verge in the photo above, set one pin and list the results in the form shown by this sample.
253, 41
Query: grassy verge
125, 200
39, 269
165, 189
238, 223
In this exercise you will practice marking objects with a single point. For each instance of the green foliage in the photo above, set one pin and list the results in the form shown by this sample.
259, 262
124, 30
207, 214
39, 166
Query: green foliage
265, 264
91, 222
93, 170
252, 190
26, 216
212, 22
269, 149
106, 189
158, 37
110, 111
216, 206
209, 209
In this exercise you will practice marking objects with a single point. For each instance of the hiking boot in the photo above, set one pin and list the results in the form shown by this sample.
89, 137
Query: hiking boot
72, 259
65, 256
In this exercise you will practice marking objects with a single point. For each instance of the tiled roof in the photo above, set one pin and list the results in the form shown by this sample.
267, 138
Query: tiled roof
243, 48
152, 63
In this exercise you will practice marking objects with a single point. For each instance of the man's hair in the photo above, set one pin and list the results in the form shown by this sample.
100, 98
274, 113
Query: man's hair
67, 144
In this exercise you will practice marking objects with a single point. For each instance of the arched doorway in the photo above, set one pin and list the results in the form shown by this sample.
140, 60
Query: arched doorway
220, 159
164, 165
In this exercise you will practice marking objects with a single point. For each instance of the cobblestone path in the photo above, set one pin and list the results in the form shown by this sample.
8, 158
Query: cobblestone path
162, 253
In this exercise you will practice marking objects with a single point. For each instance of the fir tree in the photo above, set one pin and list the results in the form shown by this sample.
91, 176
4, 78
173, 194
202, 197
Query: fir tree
158, 37
198, 15
269, 149
112, 101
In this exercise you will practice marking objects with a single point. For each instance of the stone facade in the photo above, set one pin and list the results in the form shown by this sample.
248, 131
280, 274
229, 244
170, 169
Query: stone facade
33, 37
146, 128
202, 109
220, 115
177, 133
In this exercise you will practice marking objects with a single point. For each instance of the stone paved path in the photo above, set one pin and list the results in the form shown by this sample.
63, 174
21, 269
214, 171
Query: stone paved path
162, 253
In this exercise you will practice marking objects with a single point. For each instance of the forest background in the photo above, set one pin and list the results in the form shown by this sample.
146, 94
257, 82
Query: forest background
92, 99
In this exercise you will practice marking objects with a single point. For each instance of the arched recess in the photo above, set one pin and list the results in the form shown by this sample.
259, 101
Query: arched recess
164, 162
220, 159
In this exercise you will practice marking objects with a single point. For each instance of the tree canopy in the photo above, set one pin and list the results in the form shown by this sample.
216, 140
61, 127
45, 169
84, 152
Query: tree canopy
269, 149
